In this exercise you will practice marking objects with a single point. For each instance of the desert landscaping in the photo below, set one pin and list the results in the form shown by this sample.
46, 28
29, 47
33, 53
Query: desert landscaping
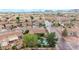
39, 31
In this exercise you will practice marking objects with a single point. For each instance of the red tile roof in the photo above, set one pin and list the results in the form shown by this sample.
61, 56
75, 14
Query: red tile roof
74, 29
72, 39
37, 30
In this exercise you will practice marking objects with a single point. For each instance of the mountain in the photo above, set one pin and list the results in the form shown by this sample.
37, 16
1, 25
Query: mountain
38, 10
21, 10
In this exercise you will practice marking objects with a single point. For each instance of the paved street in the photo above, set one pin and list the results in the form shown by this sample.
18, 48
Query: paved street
61, 44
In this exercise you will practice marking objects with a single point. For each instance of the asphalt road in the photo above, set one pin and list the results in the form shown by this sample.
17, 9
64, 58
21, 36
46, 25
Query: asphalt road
61, 44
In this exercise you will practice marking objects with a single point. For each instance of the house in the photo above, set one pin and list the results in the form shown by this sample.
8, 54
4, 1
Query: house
73, 37
36, 30
9, 37
72, 41
74, 31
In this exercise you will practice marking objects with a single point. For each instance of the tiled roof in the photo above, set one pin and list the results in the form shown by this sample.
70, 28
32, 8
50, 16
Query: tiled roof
72, 39
7, 34
37, 30
74, 29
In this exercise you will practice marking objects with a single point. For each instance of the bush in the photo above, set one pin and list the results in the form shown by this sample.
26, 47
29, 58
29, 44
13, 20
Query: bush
14, 47
56, 24
41, 24
40, 34
30, 40
42, 42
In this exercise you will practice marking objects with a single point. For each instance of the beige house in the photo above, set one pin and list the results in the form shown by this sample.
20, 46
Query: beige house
7, 37
74, 31
36, 30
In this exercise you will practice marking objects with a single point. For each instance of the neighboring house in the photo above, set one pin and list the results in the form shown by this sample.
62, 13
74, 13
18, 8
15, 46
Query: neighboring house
73, 31
72, 41
8, 37
37, 30
73, 37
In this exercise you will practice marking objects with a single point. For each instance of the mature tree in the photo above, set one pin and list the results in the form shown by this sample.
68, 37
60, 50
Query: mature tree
30, 40
56, 24
41, 25
17, 19
32, 17
74, 19
4, 25
26, 20
52, 40
26, 31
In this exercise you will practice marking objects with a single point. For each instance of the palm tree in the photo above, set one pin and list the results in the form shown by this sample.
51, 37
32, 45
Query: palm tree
32, 19
65, 33
52, 40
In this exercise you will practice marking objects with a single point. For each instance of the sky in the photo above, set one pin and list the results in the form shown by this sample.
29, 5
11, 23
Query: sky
39, 4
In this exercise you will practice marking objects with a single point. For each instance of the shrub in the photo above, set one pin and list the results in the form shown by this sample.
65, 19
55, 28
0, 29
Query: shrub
40, 34
14, 47
30, 40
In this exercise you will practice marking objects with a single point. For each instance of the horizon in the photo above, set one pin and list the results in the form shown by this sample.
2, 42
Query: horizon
33, 10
